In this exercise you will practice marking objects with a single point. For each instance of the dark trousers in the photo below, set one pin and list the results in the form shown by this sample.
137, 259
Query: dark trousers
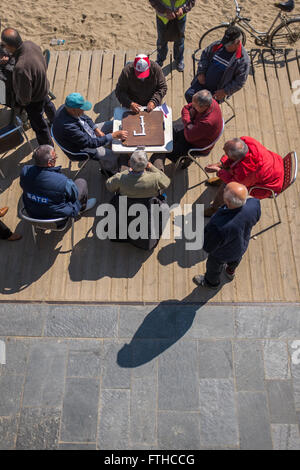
195, 86
82, 191
162, 45
214, 268
5, 233
180, 148
35, 113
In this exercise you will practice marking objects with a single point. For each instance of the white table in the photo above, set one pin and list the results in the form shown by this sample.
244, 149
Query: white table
118, 147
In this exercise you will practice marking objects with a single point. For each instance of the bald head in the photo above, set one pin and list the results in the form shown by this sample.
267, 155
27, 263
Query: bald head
235, 195
236, 149
11, 39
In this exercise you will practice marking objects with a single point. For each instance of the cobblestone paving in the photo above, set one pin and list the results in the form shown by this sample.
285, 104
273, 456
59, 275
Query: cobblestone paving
150, 377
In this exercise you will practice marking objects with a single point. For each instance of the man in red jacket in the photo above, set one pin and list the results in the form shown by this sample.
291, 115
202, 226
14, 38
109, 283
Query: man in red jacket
248, 162
203, 123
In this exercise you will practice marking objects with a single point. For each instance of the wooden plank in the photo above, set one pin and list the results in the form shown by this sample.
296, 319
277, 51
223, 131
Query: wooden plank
285, 249
119, 283
291, 195
158, 276
258, 249
103, 254
84, 289
52, 67
272, 264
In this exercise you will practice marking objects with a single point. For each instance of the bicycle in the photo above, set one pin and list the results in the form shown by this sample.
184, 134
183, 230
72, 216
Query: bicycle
286, 33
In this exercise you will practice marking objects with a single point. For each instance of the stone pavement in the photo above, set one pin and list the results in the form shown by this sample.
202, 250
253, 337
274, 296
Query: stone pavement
167, 376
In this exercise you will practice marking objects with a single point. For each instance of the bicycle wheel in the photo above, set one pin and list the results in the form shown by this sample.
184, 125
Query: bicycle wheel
216, 34
286, 35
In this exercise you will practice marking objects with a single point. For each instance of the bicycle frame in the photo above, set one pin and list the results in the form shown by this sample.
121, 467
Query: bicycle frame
250, 29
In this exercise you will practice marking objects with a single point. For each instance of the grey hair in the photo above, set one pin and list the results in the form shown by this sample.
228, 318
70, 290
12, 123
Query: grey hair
236, 151
138, 160
235, 200
203, 97
42, 155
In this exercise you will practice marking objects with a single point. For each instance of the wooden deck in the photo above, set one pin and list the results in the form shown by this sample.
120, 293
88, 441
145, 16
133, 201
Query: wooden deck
101, 271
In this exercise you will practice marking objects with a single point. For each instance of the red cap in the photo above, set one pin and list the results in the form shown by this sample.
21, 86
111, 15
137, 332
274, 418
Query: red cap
142, 66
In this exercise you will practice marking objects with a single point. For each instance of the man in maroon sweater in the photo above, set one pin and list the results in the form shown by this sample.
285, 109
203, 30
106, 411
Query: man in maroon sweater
203, 123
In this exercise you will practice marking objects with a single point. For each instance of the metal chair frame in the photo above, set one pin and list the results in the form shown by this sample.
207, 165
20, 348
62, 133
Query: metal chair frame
197, 150
274, 195
48, 224
19, 127
78, 154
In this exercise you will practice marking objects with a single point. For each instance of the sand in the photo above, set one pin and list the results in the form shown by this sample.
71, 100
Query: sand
118, 24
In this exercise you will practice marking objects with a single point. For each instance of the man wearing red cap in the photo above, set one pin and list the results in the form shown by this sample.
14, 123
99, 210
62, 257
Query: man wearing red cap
141, 83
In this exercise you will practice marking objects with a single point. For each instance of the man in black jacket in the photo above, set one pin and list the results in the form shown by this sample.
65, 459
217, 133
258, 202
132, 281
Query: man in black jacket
30, 83
141, 83
227, 235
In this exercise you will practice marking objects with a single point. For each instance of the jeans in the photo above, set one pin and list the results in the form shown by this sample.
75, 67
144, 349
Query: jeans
35, 113
82, 191
108, 160
195, 86
214, 268
180, 148
162, 46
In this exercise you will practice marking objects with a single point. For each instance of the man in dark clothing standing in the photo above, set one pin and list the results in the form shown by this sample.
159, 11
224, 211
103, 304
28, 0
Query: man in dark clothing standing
141, 83
30, 83
223, 68
170, 13
227, 235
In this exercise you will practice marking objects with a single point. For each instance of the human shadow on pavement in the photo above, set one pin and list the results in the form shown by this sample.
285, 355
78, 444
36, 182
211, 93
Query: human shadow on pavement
163, 326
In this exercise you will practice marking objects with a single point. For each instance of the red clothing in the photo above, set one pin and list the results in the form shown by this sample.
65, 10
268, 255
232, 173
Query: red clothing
260, 167
206, 127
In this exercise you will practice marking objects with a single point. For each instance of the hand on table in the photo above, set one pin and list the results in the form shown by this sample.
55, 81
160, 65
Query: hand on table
135, 108
122, 135
150, 106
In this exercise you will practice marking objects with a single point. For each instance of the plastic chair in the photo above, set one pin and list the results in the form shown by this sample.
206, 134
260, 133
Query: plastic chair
73, 157
290, 164
199, 151
11, 136
55, 225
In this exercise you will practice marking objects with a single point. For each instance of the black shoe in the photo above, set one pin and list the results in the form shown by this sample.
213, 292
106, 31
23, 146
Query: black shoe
180, 66
200, 281
286, 6
160, 62
185, 163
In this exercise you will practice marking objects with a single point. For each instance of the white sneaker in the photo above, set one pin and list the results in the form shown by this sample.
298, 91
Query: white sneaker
90, 204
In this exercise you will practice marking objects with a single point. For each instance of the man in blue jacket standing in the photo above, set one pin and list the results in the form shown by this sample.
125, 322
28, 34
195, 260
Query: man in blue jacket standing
76, 132
48, 193
227, 235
